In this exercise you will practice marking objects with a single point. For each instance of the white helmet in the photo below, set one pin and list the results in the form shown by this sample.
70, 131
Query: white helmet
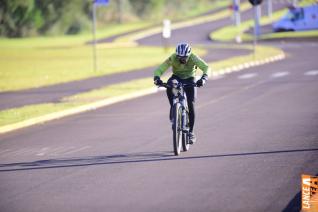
183, 50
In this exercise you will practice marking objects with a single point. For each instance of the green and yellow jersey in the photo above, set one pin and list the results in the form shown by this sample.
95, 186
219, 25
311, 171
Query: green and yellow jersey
183, 71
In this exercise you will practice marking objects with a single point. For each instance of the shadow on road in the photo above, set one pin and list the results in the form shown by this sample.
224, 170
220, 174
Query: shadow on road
141, 157
295, 204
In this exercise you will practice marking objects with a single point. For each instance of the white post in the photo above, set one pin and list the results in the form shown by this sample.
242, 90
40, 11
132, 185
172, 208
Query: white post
269, 8
94, 38
166, 33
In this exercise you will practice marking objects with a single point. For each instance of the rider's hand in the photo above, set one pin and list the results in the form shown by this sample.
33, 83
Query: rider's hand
202, 81
157, 81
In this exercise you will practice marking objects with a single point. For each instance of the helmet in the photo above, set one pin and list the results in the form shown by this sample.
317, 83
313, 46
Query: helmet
183, 50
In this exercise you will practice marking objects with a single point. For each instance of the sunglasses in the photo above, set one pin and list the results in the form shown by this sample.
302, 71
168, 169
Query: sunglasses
182, 57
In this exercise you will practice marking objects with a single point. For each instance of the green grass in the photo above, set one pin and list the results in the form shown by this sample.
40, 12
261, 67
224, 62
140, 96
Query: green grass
299, 34
19, 114
71, 40
30, 68
16, 115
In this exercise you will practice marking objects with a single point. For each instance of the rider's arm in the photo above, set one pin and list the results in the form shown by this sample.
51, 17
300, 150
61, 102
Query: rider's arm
163, 67
201, 64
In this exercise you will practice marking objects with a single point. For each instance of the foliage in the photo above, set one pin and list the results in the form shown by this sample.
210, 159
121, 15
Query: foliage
22, 18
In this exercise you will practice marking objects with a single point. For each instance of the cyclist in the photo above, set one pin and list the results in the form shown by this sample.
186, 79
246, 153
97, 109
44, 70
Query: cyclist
184, 65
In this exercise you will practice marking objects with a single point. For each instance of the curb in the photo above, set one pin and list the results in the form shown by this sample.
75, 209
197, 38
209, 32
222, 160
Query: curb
76, 110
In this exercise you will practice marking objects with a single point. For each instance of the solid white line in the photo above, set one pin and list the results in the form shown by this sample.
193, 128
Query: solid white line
311, 73
280, 74
247, 76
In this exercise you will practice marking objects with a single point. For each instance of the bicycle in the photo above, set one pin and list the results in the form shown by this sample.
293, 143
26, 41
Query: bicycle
180, 115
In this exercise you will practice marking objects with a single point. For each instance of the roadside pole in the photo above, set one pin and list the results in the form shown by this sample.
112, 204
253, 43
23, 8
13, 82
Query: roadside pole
257, 29
94, 38
269, 8
96, 3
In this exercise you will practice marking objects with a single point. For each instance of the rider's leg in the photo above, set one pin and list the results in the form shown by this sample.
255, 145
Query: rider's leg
170, 95
191, 97
170, 98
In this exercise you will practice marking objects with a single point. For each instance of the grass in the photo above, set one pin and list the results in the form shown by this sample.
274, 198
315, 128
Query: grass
16, 115
51, 60
37, 62
31, 68
71, 40
19, 114
299, 34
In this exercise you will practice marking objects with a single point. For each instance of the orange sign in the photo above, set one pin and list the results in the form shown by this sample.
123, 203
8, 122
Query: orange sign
309, 193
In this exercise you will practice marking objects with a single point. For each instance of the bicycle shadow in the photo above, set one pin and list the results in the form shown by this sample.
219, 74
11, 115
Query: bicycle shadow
139, 157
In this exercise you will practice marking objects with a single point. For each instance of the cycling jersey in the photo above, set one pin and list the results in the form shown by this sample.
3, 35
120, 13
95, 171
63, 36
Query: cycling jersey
183, 71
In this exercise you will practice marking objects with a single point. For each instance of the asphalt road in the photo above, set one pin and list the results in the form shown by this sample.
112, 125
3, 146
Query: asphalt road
257, 133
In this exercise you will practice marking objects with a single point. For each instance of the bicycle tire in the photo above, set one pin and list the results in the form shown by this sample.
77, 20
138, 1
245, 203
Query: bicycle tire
177, 134
185, 136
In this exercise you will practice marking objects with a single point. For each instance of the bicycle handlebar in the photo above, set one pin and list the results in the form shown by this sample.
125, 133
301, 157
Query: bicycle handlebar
184, 85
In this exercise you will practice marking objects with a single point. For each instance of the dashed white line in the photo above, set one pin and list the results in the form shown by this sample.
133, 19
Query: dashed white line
280, 74
247, 76
311, 73
216, 77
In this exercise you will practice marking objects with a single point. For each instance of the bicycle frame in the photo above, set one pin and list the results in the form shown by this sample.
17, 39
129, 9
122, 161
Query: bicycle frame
180, 124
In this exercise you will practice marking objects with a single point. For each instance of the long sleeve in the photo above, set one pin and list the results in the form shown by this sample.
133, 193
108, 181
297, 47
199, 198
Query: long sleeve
163, 67
201, 64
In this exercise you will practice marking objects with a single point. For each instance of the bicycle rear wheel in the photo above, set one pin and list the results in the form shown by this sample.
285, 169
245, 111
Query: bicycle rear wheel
177, 133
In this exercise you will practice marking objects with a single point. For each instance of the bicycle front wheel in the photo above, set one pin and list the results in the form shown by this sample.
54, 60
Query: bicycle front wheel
177, 133
185, 135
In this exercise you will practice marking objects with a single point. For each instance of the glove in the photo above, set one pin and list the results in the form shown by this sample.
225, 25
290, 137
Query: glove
157, 81
202, 81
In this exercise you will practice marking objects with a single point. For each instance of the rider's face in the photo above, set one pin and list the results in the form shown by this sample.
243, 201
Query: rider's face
182, 59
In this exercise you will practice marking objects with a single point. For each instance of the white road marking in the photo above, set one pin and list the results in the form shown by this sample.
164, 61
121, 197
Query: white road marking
43, 151
217, 77
311, 73
77, 150
3, 151
280, 74
247, 76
